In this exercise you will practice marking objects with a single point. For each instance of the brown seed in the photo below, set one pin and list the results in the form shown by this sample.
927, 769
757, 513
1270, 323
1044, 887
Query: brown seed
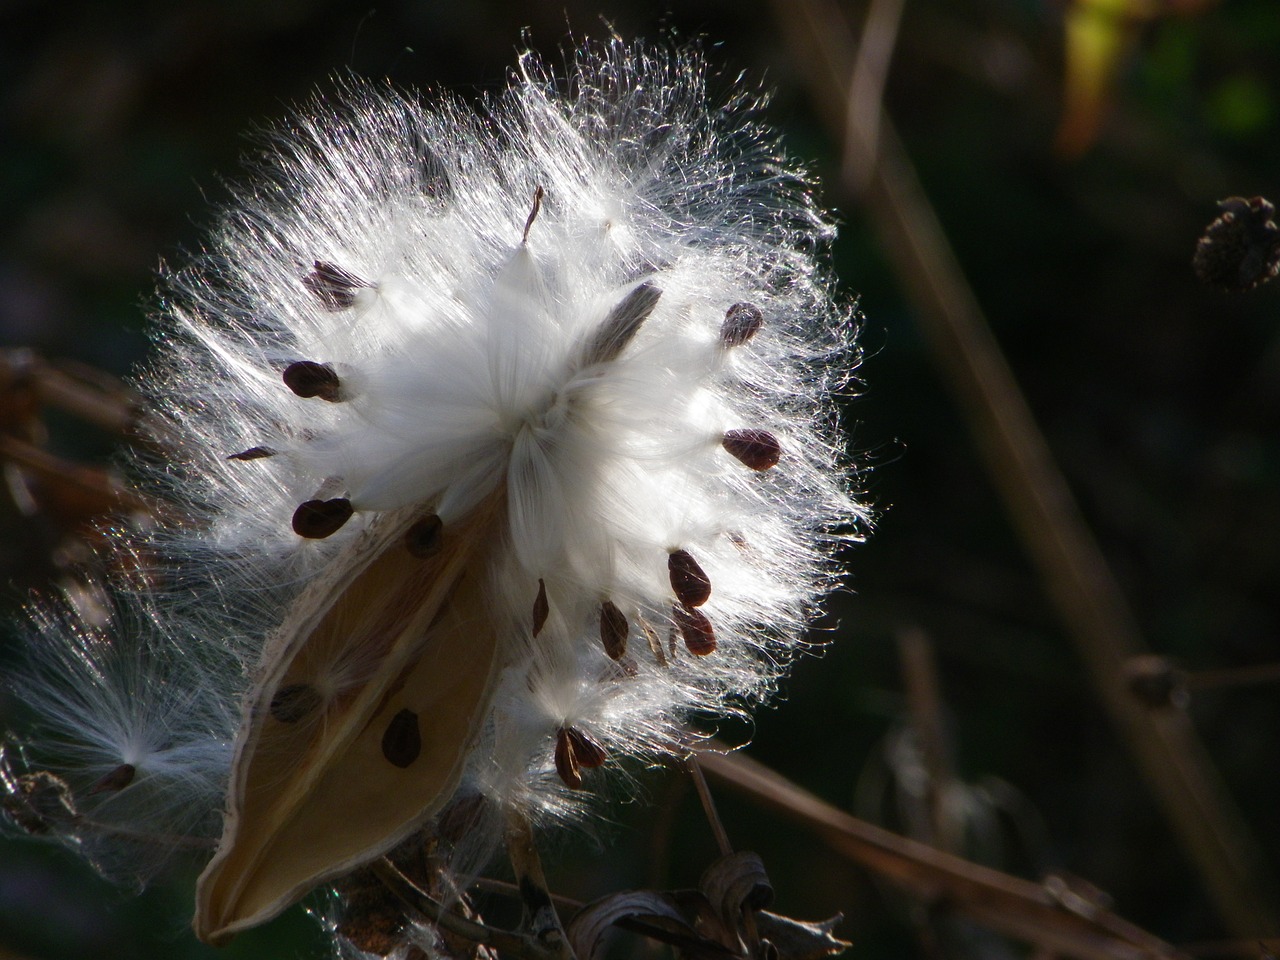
253, 453
541, 609
742, 321
117, 779
586, 748
317, 519
334, 287
699, 636
691, 584
295, 702
575, 750
402, 742
567, 761
423, 538
613, 629
758, 449
309, 379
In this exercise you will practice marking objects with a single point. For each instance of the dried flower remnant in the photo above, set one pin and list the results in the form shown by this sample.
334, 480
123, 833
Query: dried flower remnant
1241, 248
553, 344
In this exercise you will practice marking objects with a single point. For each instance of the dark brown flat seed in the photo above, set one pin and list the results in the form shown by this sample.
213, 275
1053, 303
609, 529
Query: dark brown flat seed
699, 636
742, 321
317, 519
692, 586
757, 449
613, 629
253, 453
334, 287
115, 780
295, 702
308, 379
402, 742
541, 608
424, 537
567, 761
586, 749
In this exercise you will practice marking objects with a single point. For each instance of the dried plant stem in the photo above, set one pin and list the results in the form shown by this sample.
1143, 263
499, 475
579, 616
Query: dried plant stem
1234, 677
924, 703
708, 805
1008, 905
540, 918
1076, 575
418, 900
91, 482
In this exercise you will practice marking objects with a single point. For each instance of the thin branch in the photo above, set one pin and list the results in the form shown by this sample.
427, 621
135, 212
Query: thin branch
1008, 905
924, 703
866, 90
708, 805
1233, 677
419, 901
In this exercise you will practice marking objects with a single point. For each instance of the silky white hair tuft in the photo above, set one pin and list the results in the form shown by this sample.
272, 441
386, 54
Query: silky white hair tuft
594, 311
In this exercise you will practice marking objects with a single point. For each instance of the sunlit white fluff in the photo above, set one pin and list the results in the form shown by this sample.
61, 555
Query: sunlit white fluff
463, 349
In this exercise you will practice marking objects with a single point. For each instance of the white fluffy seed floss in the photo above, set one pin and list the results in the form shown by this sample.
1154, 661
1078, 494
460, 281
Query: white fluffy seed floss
496, 442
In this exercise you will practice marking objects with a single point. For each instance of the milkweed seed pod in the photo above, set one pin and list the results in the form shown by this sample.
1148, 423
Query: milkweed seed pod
495, 442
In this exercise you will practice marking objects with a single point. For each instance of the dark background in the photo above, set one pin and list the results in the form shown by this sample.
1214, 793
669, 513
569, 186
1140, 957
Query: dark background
1160, 399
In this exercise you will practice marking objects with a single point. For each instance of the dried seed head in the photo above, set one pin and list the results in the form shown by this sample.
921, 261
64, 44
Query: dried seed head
295, 702
308, 379
424, 537
613, 629
757, 449
1240, 249
402, 741
317, 519
699, 636
541, 608
334, 287
742, 321
691, 584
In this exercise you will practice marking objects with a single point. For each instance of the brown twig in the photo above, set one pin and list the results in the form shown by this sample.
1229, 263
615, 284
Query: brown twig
541, 918
1008, 905
419, 901
708, 805
1076, 575
1233, 677
924, 704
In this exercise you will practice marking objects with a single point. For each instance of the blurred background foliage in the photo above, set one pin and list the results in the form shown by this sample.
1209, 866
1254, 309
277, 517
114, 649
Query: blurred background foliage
1074, 152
